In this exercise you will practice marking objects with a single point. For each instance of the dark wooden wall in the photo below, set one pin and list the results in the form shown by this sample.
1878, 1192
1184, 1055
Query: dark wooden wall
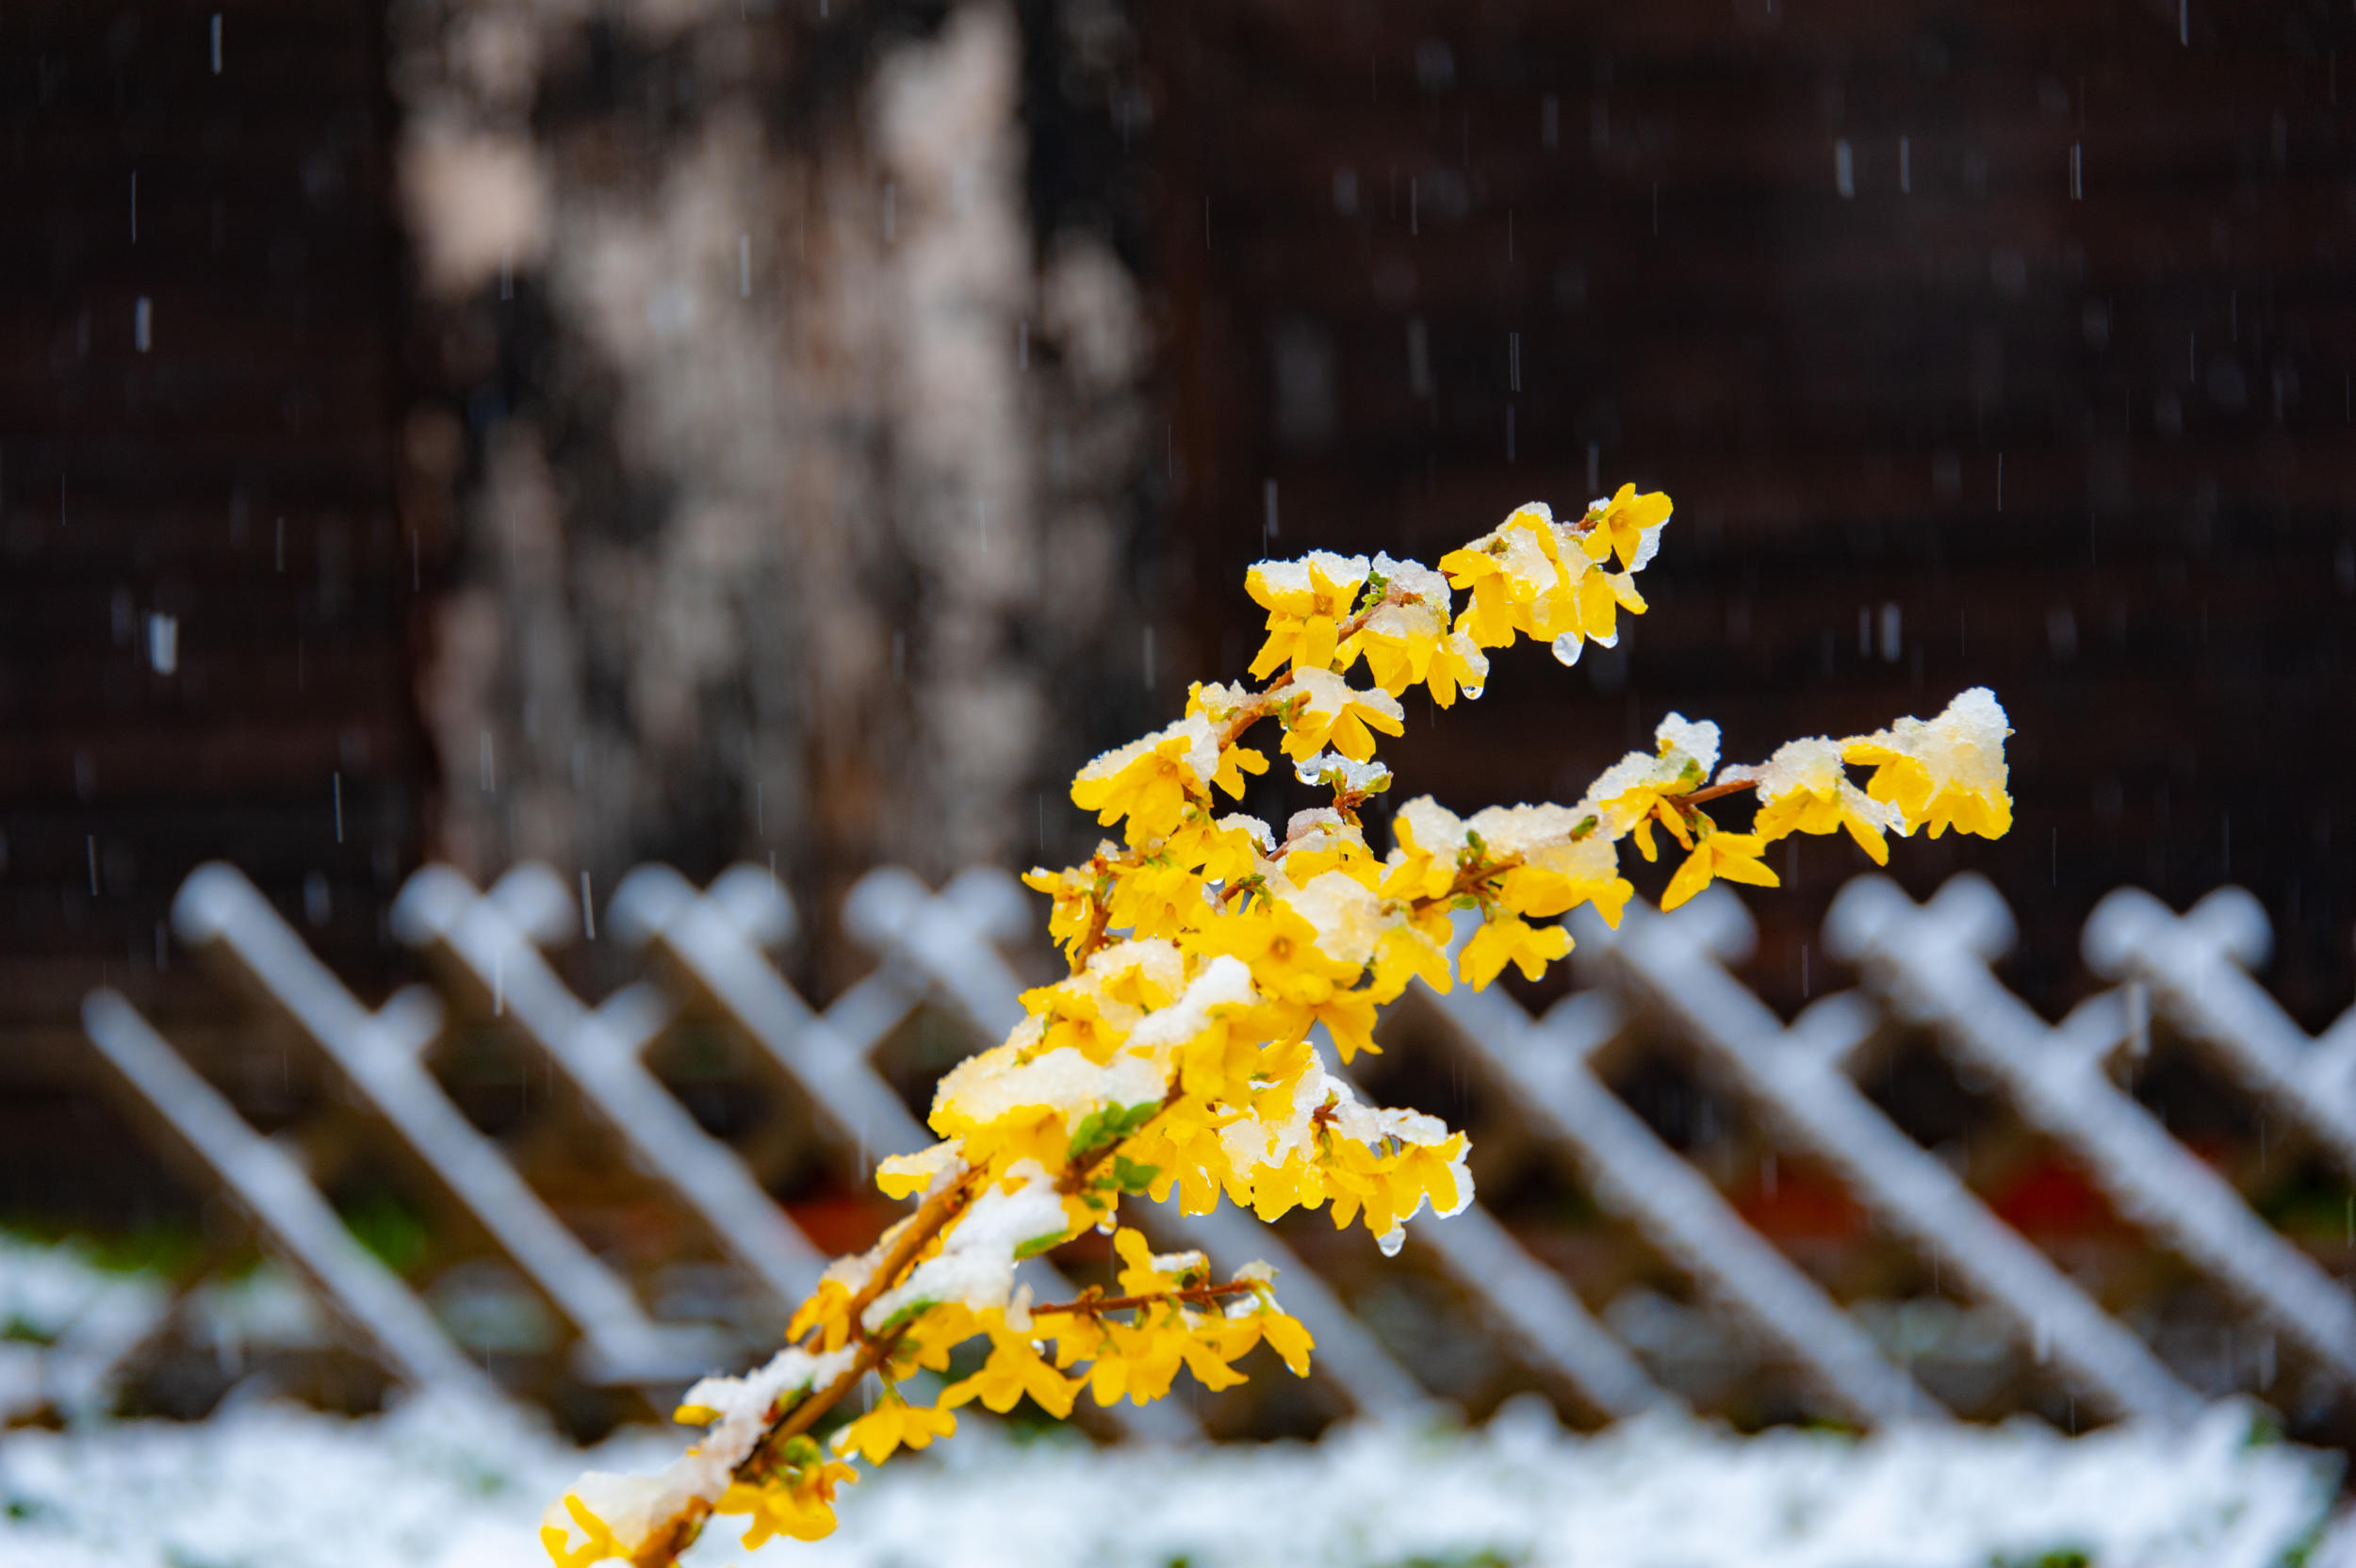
233, 473
1347, 215
2077, 248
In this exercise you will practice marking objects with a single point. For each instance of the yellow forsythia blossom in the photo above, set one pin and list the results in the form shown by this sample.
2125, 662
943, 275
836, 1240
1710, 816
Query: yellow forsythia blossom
1218, 967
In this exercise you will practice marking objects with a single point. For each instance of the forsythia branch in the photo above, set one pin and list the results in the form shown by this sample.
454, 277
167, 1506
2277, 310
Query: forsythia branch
1177, 1060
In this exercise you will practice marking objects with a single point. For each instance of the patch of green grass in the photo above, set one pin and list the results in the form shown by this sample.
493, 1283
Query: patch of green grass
388, 1227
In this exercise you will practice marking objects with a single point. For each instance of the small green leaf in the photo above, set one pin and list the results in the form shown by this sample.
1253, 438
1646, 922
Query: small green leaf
906, 1314
1131, 1176
1086, 1136
1108, 1124
1037, 1244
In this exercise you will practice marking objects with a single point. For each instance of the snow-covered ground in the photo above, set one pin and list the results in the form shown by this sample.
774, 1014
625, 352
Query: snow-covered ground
264, 1485
270, 1486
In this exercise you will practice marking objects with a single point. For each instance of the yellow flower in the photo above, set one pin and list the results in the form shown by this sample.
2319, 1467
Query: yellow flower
1285, 1335
1079, 1336
1431, 839
1020, 1133
601, 1545
1279, 947
1732, 856
1234, 762
1186, 1153
1156, 898
1626, 519
1226, 850
1457, 663
1349, 1018
1397, 647
1427, 1172
1507, 569
1407, 952
1491, 620
1217, 701
1406, 638
1334, 843
1201, 1348
1076, 1019
1803, 789
1219, 1061
936, 1331
1144, 1274
1142, 1358
1148, 1362
1601, 597
799, 1505
1540, 892
1335, 715
1306, 601
1567, 860
1949, 772
1629, 794
1505, 938
1072, 890
1358, 1183
1150, 781
893, 1425
829, 1305
1278, 1189
1668, 816
1013, 1370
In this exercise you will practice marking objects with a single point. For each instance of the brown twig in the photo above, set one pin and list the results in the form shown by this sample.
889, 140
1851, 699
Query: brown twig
1193, 1295
1716, 792
1100, 927
1470, 877
931, 1217
872, 1353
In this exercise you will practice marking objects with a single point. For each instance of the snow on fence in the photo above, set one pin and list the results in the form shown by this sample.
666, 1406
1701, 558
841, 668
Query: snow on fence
1922, 967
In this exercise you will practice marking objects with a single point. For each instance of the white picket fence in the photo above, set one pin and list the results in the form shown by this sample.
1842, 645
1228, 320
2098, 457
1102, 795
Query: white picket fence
1921, 967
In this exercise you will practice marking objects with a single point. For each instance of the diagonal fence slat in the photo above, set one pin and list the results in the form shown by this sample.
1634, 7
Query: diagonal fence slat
264, 1181
1534, 1305
1543, 1065
712, 938
1929, 963
598, 1050
378, 1054
1795, 1077
2194, 966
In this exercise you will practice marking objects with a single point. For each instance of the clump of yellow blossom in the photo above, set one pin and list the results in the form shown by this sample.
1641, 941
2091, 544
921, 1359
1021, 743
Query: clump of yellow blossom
1208, 951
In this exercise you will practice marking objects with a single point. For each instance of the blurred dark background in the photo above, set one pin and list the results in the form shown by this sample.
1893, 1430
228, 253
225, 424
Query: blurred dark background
807, 432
